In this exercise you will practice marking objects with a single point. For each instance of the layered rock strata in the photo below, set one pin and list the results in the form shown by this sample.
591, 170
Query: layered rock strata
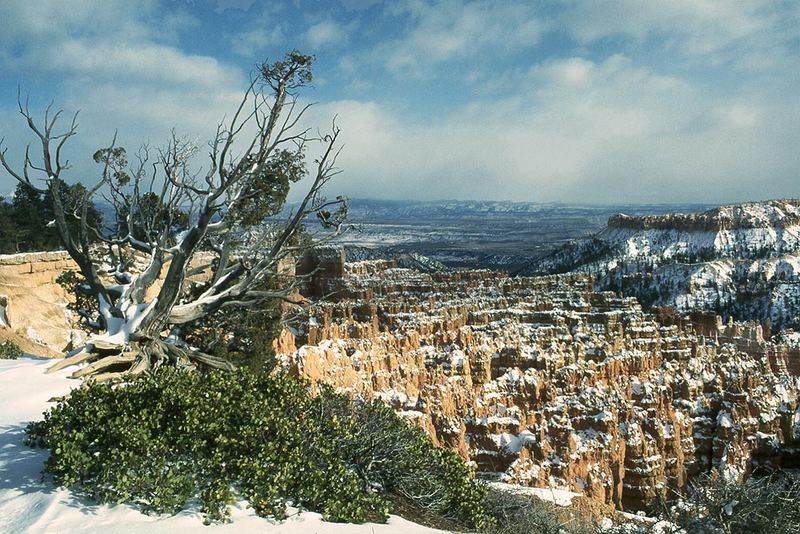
547, 383
741, 261
33, 305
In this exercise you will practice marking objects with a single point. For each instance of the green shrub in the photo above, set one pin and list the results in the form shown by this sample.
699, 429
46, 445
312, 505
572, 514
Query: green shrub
9, 350
395, 457
166, 438
85, 304
242, 335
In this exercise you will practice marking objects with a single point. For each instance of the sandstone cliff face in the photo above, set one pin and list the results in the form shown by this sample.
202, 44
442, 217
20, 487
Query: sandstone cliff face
33, 304
548, 383
767, 214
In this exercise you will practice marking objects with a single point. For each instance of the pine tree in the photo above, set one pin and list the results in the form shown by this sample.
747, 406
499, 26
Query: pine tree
29, 217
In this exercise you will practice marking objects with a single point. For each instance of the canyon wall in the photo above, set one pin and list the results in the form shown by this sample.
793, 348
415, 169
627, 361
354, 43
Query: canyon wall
544, 382
740, 261
750, 215
34, 307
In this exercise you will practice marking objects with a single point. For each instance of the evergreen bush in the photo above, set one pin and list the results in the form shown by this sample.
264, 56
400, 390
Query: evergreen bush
9, 350
174, 436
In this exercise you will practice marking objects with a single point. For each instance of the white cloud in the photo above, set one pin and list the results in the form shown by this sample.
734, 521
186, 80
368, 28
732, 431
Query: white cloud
265, 28
710, 21
108, 39
237, 5
252, 42
112, 60
325, 34
456, 29
617, 127
605, 131
146, 113
745, 32
40, 23
140, 62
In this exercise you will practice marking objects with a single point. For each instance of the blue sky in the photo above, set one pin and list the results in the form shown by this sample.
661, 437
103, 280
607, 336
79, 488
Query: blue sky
557, 100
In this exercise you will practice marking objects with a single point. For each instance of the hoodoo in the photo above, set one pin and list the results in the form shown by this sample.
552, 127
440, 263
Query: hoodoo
543, 381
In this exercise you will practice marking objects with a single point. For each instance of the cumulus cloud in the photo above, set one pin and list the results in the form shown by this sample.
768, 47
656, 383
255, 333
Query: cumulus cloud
601, 101
596, 131
746, 33
247, 42
325, 33
456, 29
264, 27
139, 62
647, 124
112, 60
710, 23
34, 26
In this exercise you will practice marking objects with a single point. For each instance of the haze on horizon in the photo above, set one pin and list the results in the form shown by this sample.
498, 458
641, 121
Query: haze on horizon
617, 101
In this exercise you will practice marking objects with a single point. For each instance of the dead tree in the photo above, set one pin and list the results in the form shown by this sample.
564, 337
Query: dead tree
167, 210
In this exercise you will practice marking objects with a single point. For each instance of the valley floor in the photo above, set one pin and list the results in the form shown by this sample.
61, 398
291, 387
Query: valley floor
27, 504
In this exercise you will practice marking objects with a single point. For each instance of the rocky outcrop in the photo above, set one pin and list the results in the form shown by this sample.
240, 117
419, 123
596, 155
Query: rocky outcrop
545, 382
752, 215
34, 305
741, 261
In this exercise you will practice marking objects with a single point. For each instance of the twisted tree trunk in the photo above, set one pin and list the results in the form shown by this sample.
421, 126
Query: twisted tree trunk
172, 211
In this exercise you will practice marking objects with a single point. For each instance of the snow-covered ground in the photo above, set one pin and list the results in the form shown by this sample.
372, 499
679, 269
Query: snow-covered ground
29, 505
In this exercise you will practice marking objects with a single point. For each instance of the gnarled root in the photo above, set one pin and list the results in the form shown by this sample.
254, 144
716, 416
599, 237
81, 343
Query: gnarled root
81, 357
104, 363
107, 362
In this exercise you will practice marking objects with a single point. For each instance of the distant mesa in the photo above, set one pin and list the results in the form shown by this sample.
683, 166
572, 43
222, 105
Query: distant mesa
740, 261
767, 214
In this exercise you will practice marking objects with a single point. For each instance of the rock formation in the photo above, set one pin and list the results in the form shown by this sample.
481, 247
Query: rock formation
542, 381
545, 382
33, 304
741, 261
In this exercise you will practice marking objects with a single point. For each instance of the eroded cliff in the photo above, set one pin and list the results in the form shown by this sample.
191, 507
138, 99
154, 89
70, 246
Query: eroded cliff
547, 383
33, 306
740, 261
